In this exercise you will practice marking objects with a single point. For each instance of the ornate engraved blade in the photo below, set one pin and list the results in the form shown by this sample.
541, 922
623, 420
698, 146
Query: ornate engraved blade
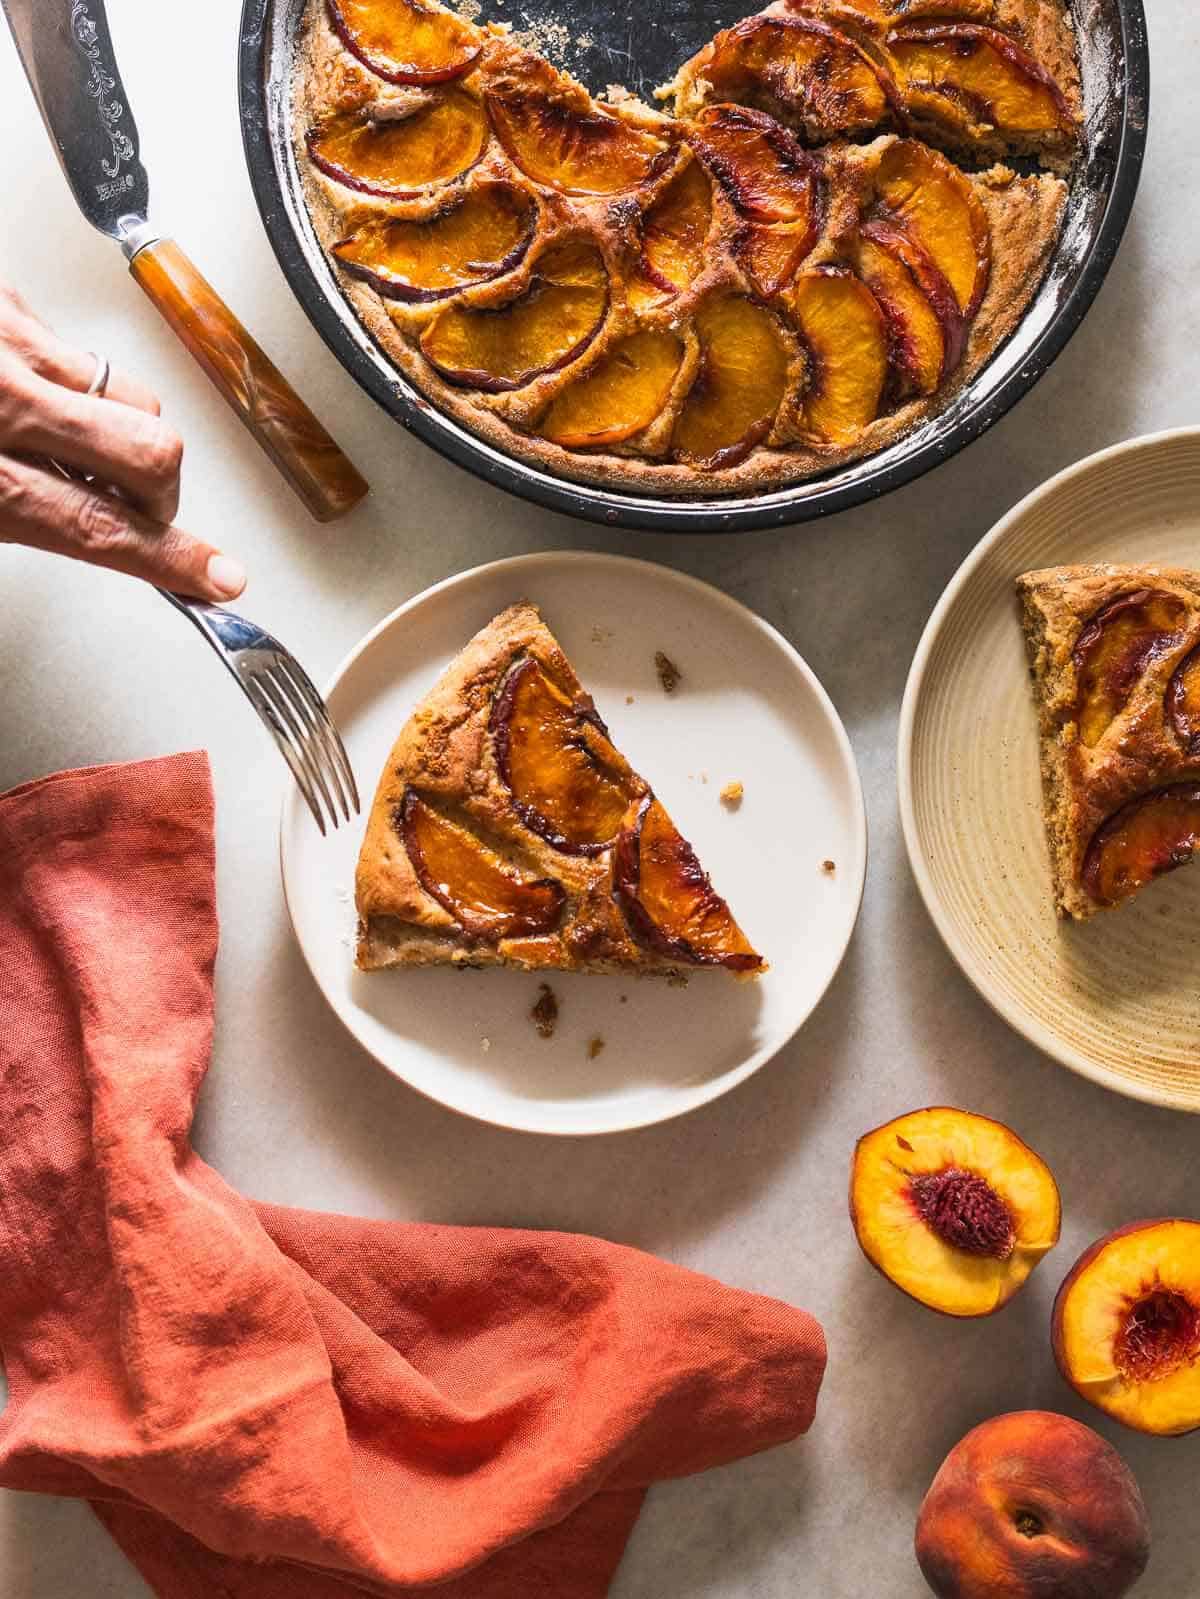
67, 53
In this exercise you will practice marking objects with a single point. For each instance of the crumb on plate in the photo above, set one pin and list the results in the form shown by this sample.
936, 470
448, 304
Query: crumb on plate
732, 794
595, 1045
545, 1011
668, 673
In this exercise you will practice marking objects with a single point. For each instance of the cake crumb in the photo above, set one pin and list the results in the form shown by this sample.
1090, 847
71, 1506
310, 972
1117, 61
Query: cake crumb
629, 699
829, 868
595, 1045
732, 795
668, 673
601, 635
545, 1011
624, 999
485, 1044
677, 980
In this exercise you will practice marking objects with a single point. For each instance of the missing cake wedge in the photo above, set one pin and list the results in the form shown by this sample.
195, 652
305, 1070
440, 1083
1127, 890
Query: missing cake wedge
508, 830
1114, 654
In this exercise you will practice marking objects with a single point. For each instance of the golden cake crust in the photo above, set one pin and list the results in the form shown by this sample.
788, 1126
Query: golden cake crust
1139, 751
1023, 214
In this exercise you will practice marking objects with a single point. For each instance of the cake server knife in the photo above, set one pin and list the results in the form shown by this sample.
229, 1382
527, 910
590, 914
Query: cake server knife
66, 50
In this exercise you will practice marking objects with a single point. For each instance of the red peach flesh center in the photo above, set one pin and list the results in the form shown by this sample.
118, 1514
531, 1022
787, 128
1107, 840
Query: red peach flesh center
965, 1211
1160, 1333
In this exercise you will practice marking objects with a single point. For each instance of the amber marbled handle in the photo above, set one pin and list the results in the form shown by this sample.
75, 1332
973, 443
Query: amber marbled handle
327, 482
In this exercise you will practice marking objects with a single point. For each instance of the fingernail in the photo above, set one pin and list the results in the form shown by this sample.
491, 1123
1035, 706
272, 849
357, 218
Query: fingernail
226, 576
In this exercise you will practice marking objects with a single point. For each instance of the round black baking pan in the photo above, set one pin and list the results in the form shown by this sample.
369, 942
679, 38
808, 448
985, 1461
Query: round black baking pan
625, 41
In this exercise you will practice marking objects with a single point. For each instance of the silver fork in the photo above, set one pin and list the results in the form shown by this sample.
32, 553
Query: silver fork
282, 693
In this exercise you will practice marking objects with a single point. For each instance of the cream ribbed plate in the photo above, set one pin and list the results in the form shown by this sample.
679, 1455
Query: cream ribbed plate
1118, 998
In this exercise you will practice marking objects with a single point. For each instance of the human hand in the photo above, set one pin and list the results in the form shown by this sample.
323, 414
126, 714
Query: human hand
124, 520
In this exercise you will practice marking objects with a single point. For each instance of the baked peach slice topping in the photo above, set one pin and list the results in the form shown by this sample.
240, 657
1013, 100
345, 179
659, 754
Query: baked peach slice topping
937, 207
965, 74
398, 156
406, 41
953, 1208
674, 232
621, 395
807, 70
569, 783
1115, 648
1126, 1326
1145, 839
558, 137
846, 337
554, 321
486, 898
479, 237
668, 902
1182, 703
739, 387
926, 332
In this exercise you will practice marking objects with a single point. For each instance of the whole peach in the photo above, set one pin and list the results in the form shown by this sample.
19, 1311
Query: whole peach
1033, 1506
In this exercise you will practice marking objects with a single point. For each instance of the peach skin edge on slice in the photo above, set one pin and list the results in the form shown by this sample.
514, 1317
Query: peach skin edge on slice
674, 230
926, 195
479, 237
547, 327
1126, 1326
1182, 703
1152, 834
739, 387
846, 375
487, 899
1113, 650
956, 59
387, 147
903, 1228
620, 396
406, 41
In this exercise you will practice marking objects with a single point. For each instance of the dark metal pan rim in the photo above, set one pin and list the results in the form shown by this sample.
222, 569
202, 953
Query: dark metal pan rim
1103, 192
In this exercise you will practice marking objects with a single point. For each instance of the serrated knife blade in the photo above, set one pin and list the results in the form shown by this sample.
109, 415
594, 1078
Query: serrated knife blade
67, 52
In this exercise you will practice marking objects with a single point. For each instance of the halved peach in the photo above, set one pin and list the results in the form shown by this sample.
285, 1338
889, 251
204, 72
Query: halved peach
569, 783
406, 41
953, 1208
891, 267
559, 137
674, 231
477, 238
846, 337
1115, 648
486, 898
554, 321
1183, 702
1145, 839
397, 157
621, 395
964, 74
668, 902
937, 207
1032, 1506
739, 387
1126, 1326
808, 71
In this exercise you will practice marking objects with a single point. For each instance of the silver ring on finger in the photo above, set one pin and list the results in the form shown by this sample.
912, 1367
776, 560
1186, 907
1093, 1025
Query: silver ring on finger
99, 384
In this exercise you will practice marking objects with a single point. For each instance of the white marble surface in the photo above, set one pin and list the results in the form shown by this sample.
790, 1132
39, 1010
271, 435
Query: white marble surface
752, 1188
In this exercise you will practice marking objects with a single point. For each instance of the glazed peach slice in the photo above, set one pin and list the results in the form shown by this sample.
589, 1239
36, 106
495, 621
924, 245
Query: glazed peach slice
569, 784
406, 41
560, 138
621, 395
964, 75
668, 902
479, 237
739, 387
1145, 839
397, 157
1182, 703
1115, 648
487, 898
554, 321
935, 204
1126, 1326
925, 328
846, 338
953, 1208
674, 232
806, 70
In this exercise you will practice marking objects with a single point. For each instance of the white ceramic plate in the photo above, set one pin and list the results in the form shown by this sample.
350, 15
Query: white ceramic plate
747, 708
1117, 998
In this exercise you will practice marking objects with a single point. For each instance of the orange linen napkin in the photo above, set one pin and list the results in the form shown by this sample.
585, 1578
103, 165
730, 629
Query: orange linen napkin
275, 1404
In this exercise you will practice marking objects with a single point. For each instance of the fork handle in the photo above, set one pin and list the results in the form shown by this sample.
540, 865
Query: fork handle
324, 478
